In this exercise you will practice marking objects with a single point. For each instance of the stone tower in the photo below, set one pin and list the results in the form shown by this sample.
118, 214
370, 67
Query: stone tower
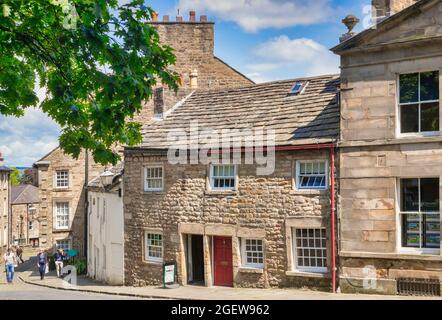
385, 8
196, 63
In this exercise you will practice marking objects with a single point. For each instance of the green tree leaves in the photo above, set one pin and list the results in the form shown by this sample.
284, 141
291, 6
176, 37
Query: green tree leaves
98, 62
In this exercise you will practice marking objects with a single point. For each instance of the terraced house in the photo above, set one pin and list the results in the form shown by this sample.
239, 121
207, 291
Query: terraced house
223, 222
391, 151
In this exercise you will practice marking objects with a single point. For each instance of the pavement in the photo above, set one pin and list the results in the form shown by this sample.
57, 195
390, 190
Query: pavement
30, 276
27, 285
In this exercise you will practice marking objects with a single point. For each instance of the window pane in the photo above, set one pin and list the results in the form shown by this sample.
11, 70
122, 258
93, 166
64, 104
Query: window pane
409, 195
410, 118
430, 116
429, 86
430, 195
409, 86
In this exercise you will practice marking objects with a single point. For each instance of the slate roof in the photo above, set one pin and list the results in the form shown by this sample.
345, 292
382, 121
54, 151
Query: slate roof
116, 170
310, 117
23, 194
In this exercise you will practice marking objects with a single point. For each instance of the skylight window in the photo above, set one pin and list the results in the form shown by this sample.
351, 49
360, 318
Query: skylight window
298, 88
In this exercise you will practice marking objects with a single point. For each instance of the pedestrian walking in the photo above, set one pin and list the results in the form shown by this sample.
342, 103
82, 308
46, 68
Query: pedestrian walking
42, 260
19, 253
59, 257
10, 262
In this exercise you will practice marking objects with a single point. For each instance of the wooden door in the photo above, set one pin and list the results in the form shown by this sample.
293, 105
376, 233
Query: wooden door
222, 260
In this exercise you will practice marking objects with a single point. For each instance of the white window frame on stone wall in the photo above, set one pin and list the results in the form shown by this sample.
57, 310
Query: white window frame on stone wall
410, 250
308, 248
155, 178
214, 177
148, 245
64, 242
57, 215
250, 252
312, 174
419, 102
62, 182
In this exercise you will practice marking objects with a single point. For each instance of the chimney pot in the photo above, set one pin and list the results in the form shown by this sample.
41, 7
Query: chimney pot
192, 16
203, 19
179, 19
166, 18
194, 79
154, 16
158, 101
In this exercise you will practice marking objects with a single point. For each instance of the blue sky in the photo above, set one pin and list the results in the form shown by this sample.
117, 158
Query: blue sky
264, 39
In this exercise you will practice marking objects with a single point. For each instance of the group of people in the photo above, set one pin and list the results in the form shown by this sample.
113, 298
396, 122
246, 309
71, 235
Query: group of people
43, 265
13, 257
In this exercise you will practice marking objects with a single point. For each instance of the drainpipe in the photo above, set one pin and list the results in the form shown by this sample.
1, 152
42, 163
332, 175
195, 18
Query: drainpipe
331, 147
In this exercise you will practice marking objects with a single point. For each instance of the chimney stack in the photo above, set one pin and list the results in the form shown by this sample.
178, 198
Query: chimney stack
166, 18
203, 19
158, 101
192, 16
350, 22
179, 19
154, 16
382, 9
194, 79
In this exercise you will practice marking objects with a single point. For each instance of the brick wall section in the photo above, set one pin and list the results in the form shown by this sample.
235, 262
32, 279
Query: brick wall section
383, 7
262, 205
193, 45
74, 195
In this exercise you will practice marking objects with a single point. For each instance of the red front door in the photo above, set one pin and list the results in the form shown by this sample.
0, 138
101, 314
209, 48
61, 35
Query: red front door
222, 257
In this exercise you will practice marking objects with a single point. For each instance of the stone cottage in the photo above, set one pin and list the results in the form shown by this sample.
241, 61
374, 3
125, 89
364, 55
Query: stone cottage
223, 222
391, 151
61, 179
25, 204
5, 186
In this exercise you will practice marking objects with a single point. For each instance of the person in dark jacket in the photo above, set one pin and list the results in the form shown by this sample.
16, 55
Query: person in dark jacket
59, 257
42, 260
19, 253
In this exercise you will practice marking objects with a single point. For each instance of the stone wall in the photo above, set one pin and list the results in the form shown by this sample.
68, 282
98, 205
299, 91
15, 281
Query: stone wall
264, 207
21, 214
74, 194
374, 155
4, 209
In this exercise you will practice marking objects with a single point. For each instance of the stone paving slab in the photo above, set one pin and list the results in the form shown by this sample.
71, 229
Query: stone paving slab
194, 292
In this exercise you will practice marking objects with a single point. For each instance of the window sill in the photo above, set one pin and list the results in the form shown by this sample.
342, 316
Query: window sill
418, 135
307, 274
315, 192
62, 189
154, 191
251, 270
397, 256
61, 230
155, 263
221, 192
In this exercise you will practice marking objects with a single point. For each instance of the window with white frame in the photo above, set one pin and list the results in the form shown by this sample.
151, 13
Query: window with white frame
310, 250
153, 246
311, 175
153, 178
420, 213
62, 215
62, 179
252, 252
64, 244
419, 102
222, 177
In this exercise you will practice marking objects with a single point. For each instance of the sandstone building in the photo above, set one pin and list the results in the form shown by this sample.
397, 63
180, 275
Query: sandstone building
5, 186
224, 223
25, 203
61, 183
391, 151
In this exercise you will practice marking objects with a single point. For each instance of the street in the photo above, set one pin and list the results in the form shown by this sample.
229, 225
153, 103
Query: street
22, 291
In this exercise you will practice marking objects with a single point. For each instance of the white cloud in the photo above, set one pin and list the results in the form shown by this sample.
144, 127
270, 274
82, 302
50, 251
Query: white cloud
292, 57
25, 140
254, 15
